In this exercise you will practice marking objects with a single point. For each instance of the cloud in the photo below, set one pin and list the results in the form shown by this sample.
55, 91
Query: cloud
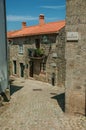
51, 18
15, 18
53, 7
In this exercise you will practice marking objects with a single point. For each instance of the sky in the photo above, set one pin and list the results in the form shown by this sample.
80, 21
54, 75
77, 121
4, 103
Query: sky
18, 11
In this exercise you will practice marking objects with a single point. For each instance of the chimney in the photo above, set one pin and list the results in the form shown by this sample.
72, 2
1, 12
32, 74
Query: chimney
24, 25
41, 19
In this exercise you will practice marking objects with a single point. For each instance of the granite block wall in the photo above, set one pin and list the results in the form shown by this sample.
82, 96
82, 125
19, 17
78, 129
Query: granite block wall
76, 57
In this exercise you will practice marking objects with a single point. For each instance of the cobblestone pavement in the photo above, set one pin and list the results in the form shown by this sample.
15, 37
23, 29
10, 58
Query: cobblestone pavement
33, 106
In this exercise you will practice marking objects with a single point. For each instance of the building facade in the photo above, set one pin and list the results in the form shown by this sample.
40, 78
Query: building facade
76, 57
38, 52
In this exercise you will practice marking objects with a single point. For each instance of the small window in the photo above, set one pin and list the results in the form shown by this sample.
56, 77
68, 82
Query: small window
10, 42
20, 49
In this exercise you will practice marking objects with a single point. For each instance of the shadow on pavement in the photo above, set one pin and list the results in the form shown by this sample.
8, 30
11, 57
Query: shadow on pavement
14, 89
61, 100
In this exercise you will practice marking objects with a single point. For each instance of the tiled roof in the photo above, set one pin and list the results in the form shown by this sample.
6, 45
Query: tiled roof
47, 28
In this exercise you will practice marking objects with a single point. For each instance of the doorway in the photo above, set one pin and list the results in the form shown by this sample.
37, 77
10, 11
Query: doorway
14, 67
21, 69
53, 79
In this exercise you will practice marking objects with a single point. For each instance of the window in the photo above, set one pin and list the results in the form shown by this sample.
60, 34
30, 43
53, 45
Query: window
10, 42
14, 67
20, 49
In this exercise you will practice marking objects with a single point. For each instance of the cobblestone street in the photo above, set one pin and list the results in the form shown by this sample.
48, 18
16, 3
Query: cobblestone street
34, 106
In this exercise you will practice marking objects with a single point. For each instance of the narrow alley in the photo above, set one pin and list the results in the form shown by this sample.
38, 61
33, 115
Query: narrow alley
36, 105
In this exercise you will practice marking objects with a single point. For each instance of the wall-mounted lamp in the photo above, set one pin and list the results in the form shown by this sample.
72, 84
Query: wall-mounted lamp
45, 39
54, 55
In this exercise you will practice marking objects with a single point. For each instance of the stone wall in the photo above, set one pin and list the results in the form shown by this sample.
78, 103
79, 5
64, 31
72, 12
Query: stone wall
61, 62
57, 64
19, 58
76, 57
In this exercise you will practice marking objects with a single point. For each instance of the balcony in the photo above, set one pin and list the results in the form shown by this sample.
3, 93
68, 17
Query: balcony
36, 54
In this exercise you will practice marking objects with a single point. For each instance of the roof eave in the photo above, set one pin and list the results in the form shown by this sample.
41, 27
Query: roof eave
42, 33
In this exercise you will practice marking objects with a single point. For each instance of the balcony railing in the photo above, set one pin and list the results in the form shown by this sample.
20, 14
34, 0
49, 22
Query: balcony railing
36, 53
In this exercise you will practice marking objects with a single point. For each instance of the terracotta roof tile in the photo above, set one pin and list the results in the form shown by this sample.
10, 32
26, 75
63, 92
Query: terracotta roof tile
46, 28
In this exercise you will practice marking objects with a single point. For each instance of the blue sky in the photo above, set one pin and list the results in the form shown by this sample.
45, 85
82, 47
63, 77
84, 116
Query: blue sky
29, 10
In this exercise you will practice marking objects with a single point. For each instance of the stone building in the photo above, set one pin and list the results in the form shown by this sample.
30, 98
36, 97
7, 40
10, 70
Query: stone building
76, 57
38, 51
